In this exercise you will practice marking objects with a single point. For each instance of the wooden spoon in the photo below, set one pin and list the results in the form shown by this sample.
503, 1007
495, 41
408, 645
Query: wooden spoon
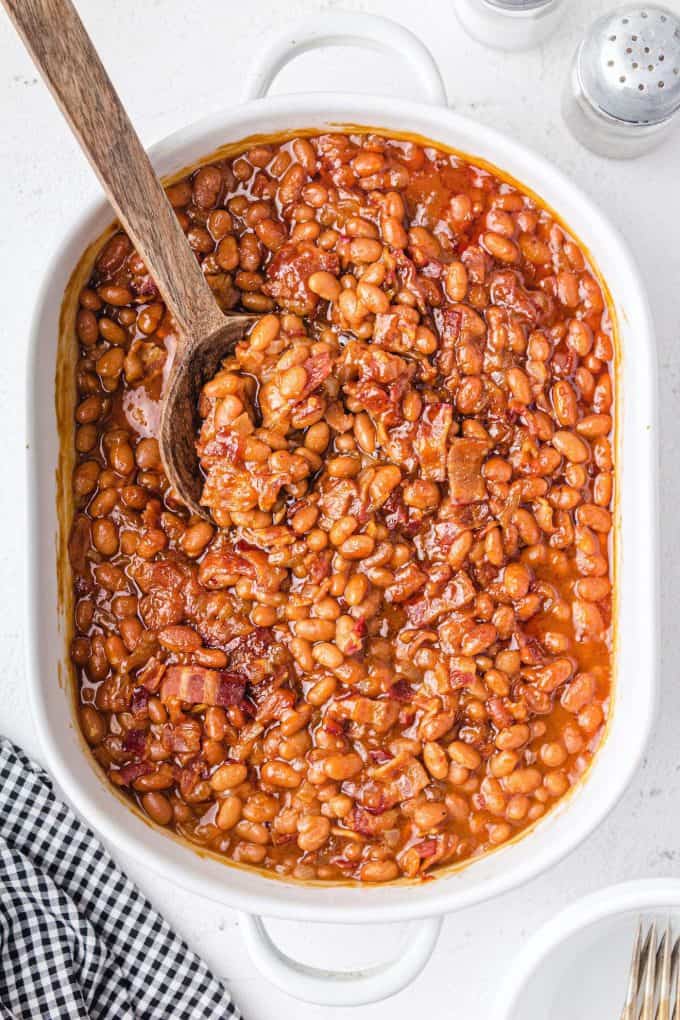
63, 52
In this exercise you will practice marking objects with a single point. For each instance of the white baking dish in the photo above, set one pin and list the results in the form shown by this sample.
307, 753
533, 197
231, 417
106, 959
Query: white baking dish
48, 626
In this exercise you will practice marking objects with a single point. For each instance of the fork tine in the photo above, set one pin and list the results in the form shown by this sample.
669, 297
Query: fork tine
676, 959
664, 1010
649, 987
633, 977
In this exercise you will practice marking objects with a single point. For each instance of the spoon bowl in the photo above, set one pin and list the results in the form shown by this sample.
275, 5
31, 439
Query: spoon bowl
198, 362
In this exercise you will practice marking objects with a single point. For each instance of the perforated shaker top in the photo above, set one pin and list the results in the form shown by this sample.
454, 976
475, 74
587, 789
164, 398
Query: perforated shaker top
629, 64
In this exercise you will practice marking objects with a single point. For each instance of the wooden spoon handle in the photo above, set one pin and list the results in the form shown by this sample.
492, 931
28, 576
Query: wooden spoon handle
62, 50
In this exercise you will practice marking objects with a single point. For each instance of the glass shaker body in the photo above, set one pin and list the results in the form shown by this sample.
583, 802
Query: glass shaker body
622, 94
510, 24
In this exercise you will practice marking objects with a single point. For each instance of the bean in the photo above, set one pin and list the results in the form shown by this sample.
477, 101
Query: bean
105, 537
196, 538
435, 760
499, 833
463, 754
579, 693
502, 248
315, 630
364, 249
227, 776
357, 547
592, 426
93, 725
313, 832
278, 773
342, 766
393, 232
592, 589
325, 285
525, 780
596, 517
229, 813
379, 871
384, 482
580, 337
570, 446
157, 807
456, 282
343, 467
207, 185
519, 385
429, 816
516, 580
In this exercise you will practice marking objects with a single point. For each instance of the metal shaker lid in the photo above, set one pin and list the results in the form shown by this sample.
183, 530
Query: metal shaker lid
629, 64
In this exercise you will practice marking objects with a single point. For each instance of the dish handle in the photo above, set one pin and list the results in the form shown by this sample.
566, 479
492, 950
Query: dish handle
339, 988
342, 28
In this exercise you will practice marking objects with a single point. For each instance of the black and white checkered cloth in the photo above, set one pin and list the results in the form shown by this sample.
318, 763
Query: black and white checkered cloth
78, 941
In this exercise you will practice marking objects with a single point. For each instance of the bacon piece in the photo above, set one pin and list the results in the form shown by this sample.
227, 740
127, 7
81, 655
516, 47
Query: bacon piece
134, 742
79, 542
400, 691
506, 291
477, 262
161, 608
190, 776
289, 271
200, 686
318, 369
499, 714
395, 511
380, 756
407, 580
459, 679
144, 286
412, 779
466, 456
431, 439
320, 566
183, 737
248, 646
227, 444
376, 380
274, 705
139, 701
161, 575
151, 674
371, 822
396, 331
217, 569
128, 773
258, 656
381, 715
458, 592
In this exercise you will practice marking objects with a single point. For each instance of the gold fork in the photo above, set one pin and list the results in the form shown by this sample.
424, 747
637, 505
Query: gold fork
654, 977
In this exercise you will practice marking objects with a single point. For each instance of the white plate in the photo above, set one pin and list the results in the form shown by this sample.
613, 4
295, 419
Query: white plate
576, 966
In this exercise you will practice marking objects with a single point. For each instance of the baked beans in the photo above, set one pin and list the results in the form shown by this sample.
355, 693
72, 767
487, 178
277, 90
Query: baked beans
389, 649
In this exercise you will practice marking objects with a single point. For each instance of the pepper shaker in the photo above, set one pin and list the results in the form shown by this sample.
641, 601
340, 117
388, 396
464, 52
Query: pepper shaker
510, 24
623, 90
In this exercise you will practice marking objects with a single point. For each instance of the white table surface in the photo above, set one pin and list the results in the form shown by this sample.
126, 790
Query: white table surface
174, 61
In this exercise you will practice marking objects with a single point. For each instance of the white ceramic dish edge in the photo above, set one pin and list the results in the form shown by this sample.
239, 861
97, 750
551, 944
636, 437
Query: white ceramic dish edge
635, 693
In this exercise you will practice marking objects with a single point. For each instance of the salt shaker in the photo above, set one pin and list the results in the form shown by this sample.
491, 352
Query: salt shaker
623, 90
510, 24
